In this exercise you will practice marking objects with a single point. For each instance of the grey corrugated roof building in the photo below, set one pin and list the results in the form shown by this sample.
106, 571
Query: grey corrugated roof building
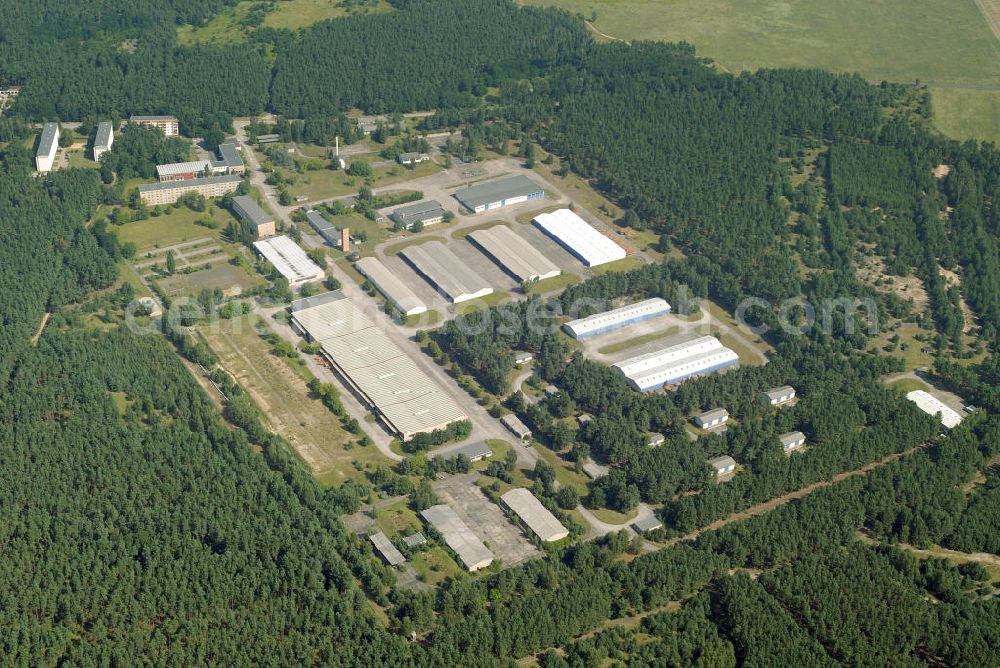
445, 271
48, 139
104, 139
494, 194
472, 451
539, 519
427, 212
459, 537
388, 551
324, 227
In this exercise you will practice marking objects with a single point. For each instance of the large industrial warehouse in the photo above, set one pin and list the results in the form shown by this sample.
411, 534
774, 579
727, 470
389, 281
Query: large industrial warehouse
618, 318
290, 260
502, 192
514, 255
677, 363
459, 537
442, 269
538, 518
577, 236
402, 395
386, 282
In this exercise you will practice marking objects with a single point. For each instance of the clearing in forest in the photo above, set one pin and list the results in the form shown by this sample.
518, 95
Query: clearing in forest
312, 430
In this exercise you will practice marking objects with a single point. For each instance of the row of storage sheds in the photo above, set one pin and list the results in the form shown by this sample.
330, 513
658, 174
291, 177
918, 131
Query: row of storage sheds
537, 517
289, 259
931, 405
375, 368
513, 254
460, 538
607, 321
677, 363
386, 282
442, 269
575, 235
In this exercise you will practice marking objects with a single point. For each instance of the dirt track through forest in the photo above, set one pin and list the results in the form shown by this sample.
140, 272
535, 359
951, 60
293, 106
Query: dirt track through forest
990, 9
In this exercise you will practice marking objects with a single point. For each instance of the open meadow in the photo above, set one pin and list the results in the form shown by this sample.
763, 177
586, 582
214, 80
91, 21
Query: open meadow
928, 40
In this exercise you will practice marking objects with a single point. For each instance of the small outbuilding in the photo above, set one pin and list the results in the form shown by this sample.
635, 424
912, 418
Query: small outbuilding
474, 452
656, 439
522, 357
647, 524
712, 418
724, 466
792, 440
516, 427
392, 556
779, 396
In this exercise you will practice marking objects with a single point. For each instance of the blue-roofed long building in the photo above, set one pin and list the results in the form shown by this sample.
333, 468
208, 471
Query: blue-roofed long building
608, 321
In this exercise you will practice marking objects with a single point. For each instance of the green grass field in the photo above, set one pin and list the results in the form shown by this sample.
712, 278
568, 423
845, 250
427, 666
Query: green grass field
226, 26
556, 283
967, 114
929, 40
171, 228
619, 346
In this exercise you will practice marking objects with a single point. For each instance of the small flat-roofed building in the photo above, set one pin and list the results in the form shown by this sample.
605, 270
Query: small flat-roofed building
656, 439
499, 193
675, 364
412, 158
712, 418
474, 452
168, 125
516, 427
289, 259
183, 171
459, 537
392, 556
103, 140
442, 269
551, 390
537, 517
48, 146
415, 539
323, 227
724, 466
513, 254
585, 418
247, 208
386, 282
607, 321
427, 212
647, 524
230, 161
792, 440
778, 396
522, 357
268, 139
169, 192
579, 238
931, 405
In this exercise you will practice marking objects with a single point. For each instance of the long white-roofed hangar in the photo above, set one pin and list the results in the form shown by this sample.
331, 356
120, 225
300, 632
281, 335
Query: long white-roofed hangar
579, 238
537, 517
289, 259
674, 364
502, 192
374, 367
624, 316
386, 282
442, 269
514, 255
